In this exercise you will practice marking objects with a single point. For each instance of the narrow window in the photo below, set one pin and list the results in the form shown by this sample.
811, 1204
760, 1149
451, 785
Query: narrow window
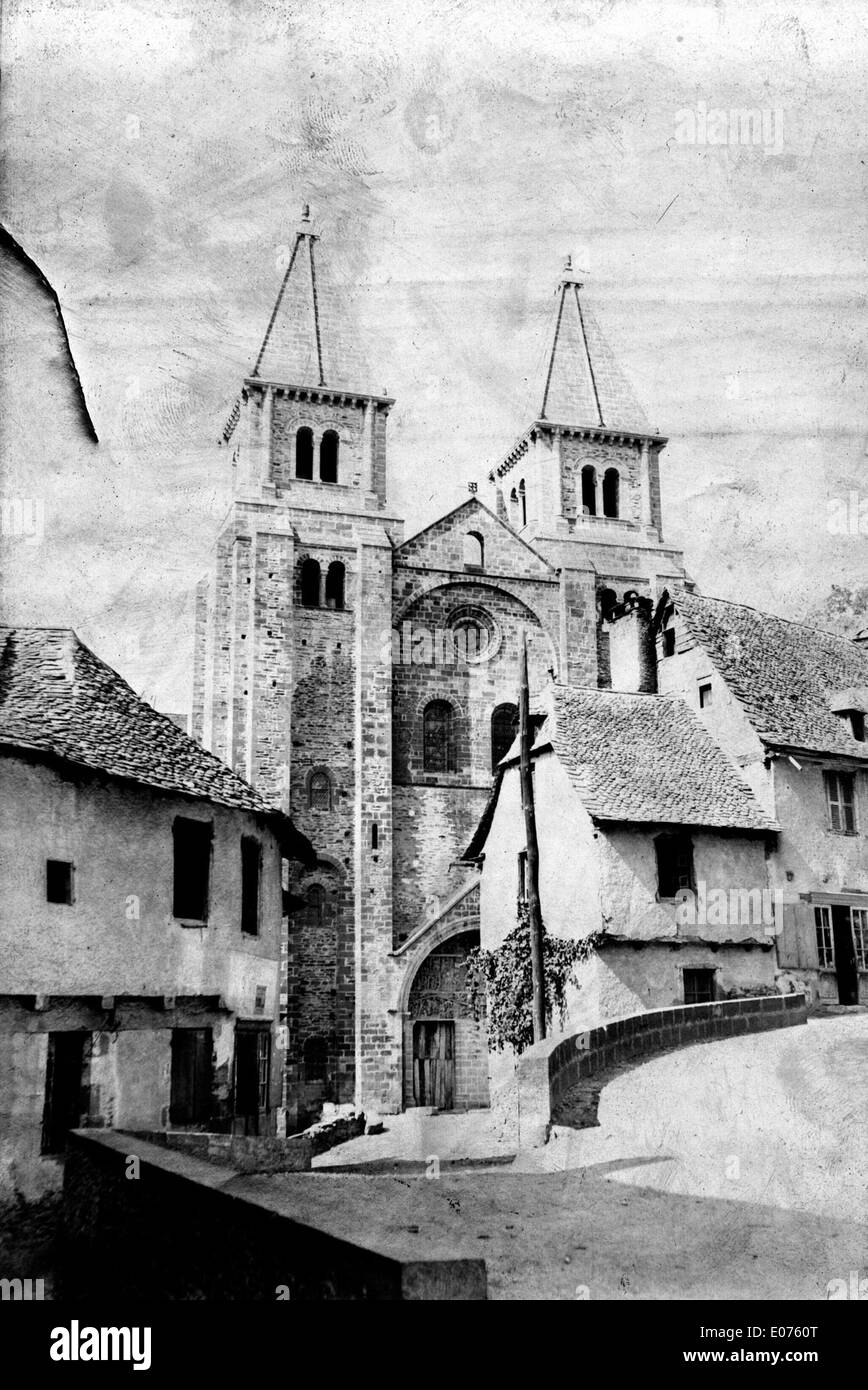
859, 923
304, 453
513, 508
503, 729
474, 550
522, 503
841, 801
825, 939
316, 1056
334, 589
589, 490
704, 694
315, 904
674, 864
698, 986
191, 1078
438, 737
58, 881
192, 854
251, 872
328, 457
522, 876
375, 836
310, 582
320, 791
611, 491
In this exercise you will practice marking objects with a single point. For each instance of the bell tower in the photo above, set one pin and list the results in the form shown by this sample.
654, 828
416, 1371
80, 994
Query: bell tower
293, 661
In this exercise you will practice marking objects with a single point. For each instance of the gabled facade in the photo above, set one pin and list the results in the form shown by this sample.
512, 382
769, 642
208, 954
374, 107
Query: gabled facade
140, 917
649, 840
789, 704
368, 684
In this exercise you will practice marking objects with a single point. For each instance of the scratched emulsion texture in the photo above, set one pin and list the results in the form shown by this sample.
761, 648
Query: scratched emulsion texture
156, 159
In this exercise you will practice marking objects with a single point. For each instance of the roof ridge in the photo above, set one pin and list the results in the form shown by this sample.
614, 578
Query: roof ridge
764, 613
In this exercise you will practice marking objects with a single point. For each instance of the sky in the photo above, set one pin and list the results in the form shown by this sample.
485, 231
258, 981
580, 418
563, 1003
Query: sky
156, 158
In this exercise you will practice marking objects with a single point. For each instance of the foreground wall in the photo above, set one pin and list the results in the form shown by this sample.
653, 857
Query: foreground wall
185, 1229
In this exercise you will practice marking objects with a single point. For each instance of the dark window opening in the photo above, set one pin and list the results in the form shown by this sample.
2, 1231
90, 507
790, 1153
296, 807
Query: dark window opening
589, 490
58, 881
190, 1097
304, 453
674, 864
698, 986
334, 589
611, 492
474, 550
251, 872
316, 1059
192, 868
705, 695
607, 599
503, 730
66, 1095
315, 905
375, 836
856, 719
668, 637
522, 503
320, 791
841, 801
438, 737
310, 582
522, 876
328, 457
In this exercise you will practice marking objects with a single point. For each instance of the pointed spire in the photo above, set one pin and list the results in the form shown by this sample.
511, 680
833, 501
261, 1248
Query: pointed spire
309, 338
584, 384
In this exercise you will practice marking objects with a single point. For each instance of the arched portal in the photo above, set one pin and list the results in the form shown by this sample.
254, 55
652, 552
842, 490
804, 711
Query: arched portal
445, 1050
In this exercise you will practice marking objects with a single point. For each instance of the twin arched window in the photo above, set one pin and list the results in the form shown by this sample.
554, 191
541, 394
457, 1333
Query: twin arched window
438, 737
310, 584
328, 455
611, 491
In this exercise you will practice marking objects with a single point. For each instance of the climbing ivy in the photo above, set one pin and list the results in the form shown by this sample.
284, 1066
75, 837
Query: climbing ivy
500, 983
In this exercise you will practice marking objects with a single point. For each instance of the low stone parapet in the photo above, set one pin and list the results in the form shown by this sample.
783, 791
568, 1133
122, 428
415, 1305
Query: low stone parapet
548, 1070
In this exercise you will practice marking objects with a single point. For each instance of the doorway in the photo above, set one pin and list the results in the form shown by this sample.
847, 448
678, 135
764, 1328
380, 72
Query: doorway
66, 1098
252, 1080
190, 1099
434, 1064
845, 956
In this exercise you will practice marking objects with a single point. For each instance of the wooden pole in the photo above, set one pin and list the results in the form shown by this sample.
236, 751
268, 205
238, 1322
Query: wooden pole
537, 963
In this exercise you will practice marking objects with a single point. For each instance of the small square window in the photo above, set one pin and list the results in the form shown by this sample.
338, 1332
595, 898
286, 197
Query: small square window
698, 986
58, 881
704, 694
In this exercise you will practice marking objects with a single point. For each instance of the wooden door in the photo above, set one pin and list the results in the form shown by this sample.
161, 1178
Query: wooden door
190, 1101
845, 956
252, 1080
65, 1100
434, 1064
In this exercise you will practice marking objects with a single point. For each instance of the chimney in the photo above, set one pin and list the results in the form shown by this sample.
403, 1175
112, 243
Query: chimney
632, 650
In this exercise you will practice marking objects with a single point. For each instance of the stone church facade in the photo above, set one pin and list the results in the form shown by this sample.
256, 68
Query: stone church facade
367, 684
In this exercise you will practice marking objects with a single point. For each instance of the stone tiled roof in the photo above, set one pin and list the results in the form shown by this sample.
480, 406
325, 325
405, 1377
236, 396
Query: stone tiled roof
584, 384
647, 758
641, 759
57, 698
312, 338
786, 676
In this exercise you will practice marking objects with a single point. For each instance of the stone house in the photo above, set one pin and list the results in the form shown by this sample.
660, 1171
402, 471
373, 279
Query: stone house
367, 684
140, 917
649, 841
789, 704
